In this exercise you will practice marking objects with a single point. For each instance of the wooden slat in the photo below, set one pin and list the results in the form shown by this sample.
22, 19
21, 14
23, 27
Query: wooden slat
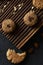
33, 31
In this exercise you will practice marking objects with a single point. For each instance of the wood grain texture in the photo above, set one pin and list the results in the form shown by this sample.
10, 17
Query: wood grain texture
24, 32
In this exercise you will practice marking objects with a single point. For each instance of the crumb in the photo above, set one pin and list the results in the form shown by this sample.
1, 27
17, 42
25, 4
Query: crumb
36, 45
30, 50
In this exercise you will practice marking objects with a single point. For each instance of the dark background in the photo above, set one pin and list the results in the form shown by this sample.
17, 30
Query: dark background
35, 58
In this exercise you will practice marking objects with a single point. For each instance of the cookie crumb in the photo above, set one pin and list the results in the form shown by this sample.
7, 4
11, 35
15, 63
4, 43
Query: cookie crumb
36, 45
30, 50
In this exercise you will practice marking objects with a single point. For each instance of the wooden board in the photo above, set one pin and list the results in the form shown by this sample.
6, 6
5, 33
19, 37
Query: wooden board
23, 32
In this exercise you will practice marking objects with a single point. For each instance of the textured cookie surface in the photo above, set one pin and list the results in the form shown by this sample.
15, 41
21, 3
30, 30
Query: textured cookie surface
15, 57
38, 4
8, 25
30, 18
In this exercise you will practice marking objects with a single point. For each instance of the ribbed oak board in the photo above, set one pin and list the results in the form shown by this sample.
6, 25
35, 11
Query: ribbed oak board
23, 32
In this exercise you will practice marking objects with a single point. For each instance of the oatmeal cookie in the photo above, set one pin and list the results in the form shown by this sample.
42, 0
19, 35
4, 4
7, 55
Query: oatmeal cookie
30, 18
15, 57
8, 26
38, 4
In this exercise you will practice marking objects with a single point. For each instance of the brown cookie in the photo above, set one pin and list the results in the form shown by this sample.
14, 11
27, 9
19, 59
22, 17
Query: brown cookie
38, 4
15, 57
8, 26
30, 18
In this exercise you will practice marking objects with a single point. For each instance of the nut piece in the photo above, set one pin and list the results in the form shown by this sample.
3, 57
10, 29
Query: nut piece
38, 4
30, 18
8, 26
15, 57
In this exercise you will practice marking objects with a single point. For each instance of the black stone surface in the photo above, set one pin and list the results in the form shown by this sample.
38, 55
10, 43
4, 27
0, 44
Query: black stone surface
34, 59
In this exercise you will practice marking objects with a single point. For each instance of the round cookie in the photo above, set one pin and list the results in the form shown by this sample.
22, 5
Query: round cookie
8, 26
30, 18
38, 4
